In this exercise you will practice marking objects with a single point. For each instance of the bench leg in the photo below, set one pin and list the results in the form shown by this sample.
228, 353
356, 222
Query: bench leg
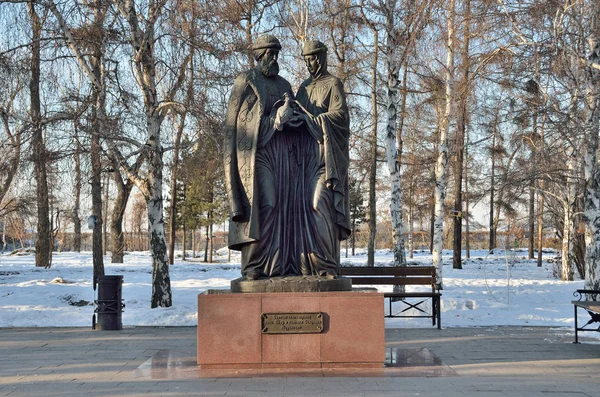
576, 326
438, 308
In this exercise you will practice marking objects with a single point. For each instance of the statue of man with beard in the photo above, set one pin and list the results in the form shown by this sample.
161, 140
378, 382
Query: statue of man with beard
256, 173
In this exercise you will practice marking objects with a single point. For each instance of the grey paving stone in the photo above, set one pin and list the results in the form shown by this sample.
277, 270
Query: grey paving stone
503, 361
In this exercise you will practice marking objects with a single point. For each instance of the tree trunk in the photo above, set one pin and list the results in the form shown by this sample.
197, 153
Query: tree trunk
432, 218
98, 117
161, 281
540, 214
353, 237
492, 240
442, 161
460, 141
567, 257
466, 216
183, 243
105, 214
410, 220
142, 42
77, 197
44, 234
95, 72
531, 219
592, 172
373, 158
118, 213
193, 242
393, 138
173, 209
540, 227
206, 244
96, 182
211, 245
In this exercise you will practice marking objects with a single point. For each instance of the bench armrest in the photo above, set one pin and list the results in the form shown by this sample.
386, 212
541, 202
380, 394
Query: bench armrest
579, 294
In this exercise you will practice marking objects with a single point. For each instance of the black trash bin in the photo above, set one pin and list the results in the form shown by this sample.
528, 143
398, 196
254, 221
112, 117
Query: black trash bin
109, 306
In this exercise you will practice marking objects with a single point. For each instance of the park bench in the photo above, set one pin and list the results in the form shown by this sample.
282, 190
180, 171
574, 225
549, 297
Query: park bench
404, 276
592, 307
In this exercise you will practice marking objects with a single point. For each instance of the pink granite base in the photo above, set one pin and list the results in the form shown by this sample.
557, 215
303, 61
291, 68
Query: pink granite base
230, 337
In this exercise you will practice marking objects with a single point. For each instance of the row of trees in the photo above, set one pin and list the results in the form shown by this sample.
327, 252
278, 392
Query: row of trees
494, 102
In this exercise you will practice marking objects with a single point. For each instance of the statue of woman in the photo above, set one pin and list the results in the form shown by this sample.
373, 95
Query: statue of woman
319, 203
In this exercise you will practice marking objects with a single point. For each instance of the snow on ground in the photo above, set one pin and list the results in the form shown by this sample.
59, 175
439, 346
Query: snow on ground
504, 288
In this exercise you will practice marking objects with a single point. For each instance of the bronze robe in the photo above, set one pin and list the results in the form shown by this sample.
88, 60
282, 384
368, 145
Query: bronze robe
321, 210
253, 171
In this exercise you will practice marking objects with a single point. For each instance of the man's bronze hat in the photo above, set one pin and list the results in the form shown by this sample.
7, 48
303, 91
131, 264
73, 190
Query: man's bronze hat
313, 47
266, 41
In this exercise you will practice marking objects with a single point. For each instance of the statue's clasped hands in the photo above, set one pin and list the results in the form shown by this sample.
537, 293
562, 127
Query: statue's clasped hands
289, 114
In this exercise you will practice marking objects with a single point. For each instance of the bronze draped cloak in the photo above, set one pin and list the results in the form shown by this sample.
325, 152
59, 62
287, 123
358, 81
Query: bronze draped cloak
248, 126
324, 99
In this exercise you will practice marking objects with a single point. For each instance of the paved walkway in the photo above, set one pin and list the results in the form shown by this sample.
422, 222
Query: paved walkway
498, 361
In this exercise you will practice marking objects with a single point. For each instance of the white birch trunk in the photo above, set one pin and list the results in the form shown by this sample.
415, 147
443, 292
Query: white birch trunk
591, 169
442, 160
568, 255
566, 272
373, 159
592, 192
143, 41
392, 152
161, 281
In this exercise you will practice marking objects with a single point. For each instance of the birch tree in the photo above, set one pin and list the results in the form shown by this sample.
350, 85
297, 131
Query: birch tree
442, 160
591, 168
143, 39
569, 224
373, 156
400, 35
393, 150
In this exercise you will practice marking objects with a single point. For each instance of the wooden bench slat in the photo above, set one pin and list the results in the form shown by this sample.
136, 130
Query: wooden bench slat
591, 305
388, 271
393, 280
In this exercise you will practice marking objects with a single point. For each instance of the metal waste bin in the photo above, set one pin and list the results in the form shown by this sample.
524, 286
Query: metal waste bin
109, 305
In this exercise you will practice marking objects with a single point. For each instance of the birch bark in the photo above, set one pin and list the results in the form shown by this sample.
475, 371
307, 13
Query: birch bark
442, 160
568, 254
142, 39
373, 159
591, 169
393, 152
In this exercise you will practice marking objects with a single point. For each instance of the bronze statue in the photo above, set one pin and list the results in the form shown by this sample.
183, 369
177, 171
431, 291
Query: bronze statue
325, 160
286, 165
253, 161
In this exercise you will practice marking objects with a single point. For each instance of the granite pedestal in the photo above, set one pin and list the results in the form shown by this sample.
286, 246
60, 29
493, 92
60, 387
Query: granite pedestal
230, 334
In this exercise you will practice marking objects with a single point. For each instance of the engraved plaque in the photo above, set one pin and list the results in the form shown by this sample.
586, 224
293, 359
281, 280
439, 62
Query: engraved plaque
292, 323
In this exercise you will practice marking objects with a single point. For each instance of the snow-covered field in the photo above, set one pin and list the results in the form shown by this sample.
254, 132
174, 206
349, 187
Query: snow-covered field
500, 289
